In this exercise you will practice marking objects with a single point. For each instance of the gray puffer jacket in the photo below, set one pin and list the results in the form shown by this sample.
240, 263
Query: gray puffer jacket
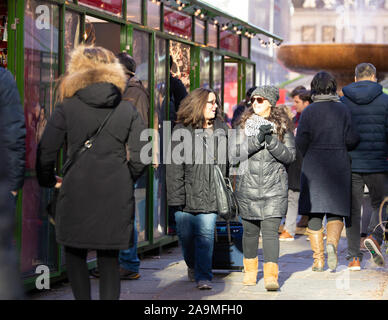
262, 182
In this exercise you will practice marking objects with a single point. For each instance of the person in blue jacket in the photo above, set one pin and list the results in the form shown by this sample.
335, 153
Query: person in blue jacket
369, 108
12, 168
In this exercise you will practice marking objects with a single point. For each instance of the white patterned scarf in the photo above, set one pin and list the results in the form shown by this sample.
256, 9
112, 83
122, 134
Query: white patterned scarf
253, 124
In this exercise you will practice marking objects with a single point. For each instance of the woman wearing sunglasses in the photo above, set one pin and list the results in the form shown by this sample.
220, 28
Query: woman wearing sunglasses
261, 184
190, 186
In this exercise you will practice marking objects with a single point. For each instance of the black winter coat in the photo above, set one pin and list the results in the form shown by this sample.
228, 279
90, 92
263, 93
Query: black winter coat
95, 207
323, 137
139, 97
12, 134
190, 184
12, 168
262, 186
294, 170
369, 107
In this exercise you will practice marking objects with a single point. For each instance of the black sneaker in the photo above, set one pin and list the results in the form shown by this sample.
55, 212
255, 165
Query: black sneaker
128, 275
95, 273
374, 249
191, 274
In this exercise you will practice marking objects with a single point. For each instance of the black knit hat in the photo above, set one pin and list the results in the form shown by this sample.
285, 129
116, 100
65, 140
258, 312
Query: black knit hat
270, 93
128, 62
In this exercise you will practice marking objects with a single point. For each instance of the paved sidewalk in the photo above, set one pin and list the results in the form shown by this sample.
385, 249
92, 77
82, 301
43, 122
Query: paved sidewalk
164, 277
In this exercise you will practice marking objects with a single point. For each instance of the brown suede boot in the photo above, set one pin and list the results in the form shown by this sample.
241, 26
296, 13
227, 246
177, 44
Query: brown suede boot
271, 272
251, 267
316, 242
334, 229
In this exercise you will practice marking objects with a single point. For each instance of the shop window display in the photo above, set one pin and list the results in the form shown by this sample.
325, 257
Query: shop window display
199, 31
204, 69
72, 33
249, 76
141, 46
212, 35
111, 6
180, 54
3, 35
41, 44
102, 33
230, 88
245, 47
217, 74
153, 15
134, 11
159, 116
230, 41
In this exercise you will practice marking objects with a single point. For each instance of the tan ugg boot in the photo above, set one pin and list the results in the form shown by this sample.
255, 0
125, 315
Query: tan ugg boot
334, 229
251, 268
316, 242
271, 272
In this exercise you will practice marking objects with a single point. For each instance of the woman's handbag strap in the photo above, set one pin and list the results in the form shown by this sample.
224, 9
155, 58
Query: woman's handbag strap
86, 145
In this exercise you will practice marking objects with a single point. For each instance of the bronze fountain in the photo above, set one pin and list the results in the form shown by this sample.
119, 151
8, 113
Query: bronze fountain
340, 59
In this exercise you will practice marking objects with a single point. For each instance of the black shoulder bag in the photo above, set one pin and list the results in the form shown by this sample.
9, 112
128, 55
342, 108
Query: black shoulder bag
51, 207
226, 199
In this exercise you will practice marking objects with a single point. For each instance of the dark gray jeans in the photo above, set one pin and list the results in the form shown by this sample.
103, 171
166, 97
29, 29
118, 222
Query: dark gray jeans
10, 280
269, 229
378, 189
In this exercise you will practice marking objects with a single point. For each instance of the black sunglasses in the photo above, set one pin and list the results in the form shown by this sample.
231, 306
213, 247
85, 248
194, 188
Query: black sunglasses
258, 99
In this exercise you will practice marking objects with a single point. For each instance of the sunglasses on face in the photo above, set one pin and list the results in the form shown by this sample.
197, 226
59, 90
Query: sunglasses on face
258, 99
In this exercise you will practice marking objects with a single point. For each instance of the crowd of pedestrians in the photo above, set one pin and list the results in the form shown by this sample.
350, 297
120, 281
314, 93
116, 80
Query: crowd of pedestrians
314, 164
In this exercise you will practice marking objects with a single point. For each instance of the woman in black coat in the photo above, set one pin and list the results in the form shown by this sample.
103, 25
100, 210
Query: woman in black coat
262, 185
198, 136
95, 207
324, 136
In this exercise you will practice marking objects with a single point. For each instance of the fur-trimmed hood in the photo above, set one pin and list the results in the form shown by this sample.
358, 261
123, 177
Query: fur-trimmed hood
83, 72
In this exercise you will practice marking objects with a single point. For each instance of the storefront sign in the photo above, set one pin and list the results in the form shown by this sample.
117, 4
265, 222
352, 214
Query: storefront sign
229, 41
177, 23
112, 6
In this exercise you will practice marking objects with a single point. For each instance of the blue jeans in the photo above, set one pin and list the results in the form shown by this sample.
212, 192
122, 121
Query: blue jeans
128, 258
196, 236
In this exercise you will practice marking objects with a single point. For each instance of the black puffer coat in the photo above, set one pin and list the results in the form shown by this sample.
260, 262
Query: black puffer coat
262, 187
95, 208
369, 107
190, 184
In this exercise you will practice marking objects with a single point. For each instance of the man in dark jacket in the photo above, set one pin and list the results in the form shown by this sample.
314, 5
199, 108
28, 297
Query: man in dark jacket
369, 107
177, 93
138, 95
12, 166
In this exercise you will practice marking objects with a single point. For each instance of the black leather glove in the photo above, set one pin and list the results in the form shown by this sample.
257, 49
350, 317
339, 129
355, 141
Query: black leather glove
265, 129
268, 138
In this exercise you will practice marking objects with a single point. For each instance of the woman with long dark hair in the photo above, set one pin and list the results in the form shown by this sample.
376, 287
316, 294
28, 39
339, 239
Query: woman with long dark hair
324, 136
95, 207
190, 181
261, 184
